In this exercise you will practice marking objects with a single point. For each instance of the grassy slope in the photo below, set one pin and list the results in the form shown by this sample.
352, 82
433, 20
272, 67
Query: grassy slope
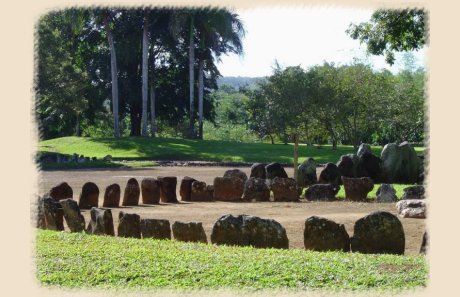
138, 148
85, 261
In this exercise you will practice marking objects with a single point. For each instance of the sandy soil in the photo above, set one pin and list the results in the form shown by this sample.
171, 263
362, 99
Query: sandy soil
290, 215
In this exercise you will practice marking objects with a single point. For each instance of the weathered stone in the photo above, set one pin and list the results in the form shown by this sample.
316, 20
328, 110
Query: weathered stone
210, 190
54, 215
228, 189
89, 196
386, 193
346, 166
129, 225
168, 189
400, 164
236, 173
107, 158
185, 190
414, 192
72, 215
101, 222
321, 234
40, 215
356, 189
322, 192
255, 189
370, 166
153, 228
306, 174
61, 191
200, 192
275, 170
258, 171
378, 233
189, 232
132, 193
112, 196
285, 189
364, 149
424, 246
150, 189
412, 208
245, 230
330, 175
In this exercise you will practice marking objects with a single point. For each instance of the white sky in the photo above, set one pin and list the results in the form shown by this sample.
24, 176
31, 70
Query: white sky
300, 35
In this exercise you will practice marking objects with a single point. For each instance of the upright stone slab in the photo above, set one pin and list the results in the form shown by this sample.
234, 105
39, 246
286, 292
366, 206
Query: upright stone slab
150, 189
321, 192
356, 189
228, 189
330, 175
400, 164
370, 166
200, 192
321, 234
255, 189
168, 189
378, 233
189, 232
285, 189
112, 196
129, 225
153, 228
236, 173
346, 166
186, 188
306, 174
89, 196
61, 191
275, 170
54, 215
101, 222
424, 246
258, 171
364, 149
72, 215
414, 192
386, 193
40, 214
132, 193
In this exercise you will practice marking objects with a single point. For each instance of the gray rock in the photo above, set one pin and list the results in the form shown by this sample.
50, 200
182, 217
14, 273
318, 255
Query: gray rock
356, 189
347, 166
189, 232
255, 189
236, 173
285, 189
400, 164
330, 175
386, 193
321, 234
153, 228
322, 192
129, 225
414, 192
72, 215
258, 171
132, 193
306, 174
364, 149
412, 208
228, 189
101, 222
275, 170
53, 213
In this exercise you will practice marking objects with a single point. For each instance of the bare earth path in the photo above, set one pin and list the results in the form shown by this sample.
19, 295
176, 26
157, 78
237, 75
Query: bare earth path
290, 215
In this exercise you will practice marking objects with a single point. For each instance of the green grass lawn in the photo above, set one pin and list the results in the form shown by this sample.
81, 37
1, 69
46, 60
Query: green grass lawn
77, 260
373, 194
140, 148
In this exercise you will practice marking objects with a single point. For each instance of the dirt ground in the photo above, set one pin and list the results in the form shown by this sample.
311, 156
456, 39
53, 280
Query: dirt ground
291, 215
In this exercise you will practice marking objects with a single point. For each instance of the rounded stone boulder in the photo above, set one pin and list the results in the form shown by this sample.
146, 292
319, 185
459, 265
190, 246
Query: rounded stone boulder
200, 192
150, 189
255, 189
346, 166
412, 208
112, 196
364, 149
89, 196
306, 174
414, 192
386, 193
400, 164
258, 171
154, 228
132, 193
321, 234
61, 191
370, 166
236, 173
330, 175
275, 170
356, 189
101, 222
321, 192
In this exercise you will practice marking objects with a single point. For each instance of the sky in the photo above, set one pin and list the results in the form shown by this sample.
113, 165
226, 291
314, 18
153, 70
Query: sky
301, 35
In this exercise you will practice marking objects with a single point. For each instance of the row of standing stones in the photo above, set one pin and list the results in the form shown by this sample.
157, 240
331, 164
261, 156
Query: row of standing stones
377, 233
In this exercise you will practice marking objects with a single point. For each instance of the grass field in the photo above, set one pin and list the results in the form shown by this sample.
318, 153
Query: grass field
372, 194
140, 148
77, 260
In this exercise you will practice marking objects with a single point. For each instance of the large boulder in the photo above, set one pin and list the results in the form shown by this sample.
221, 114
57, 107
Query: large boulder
321, 234
189, 232
245, 230
53, 213
378, 233
132, 193
258, 171
330, 175
255, 189
275, 170
364, 149
228, 189
150, 189
129, 225
356, 189
153, 228
168, 189
285, 189
322, 192
347, 166
386, 193
185, 190
414, 192
236, 173
306, 174
61, 191
112, 196
369, 166
400, 164
412, 208
101, 222
89, 196
72, 215
200, 192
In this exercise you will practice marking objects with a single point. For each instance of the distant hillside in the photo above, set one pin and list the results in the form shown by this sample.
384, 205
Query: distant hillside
238, 81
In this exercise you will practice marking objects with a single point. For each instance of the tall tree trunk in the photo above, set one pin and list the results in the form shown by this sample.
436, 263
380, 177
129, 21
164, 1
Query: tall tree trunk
145, 47
152, 111
114, 74
77, 126
191, 56
200, 96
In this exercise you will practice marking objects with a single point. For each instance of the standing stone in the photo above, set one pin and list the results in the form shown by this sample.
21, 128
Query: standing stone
236, 173
356, 189
400, 164
322, 192
255, 189
112, 196
61, 191
89, 196
129, 225
200, 192
330, 175
386, 193
186, 188
150, 189
189, 232
101, 222
412, 208
158, 229
228, 189
258, 171
54, 215
168, 189
370, 166
306, 174
275, 170
285, 189
210, 190
346, 166
40, 216
424, 246
378, 233
72, 215
321, 234
132, 193
414, 192
364, 149
245, 230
